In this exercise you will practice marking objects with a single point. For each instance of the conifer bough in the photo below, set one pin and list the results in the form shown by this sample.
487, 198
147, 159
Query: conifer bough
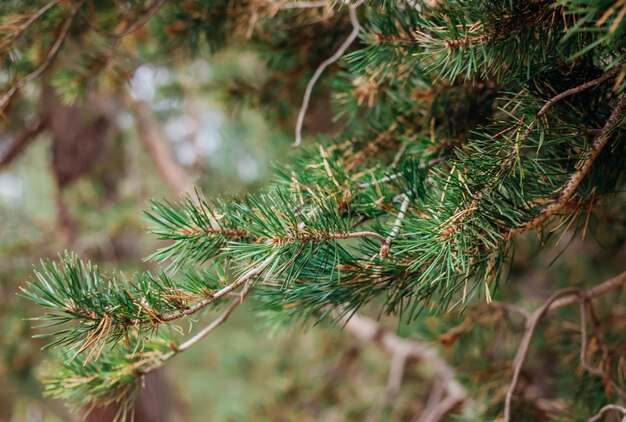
463, 124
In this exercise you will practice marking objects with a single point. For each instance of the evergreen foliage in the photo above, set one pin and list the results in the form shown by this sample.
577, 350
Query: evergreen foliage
463, 125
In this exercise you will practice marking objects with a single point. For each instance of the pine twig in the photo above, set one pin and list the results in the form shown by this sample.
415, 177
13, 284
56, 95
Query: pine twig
384, 249
356, 28
568, 93
568, 190
244, 278
325, 237
217, 322
35, 16
558, 300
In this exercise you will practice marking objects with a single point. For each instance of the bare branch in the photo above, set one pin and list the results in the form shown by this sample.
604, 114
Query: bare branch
22, 141
598, 417
217, 322
304, 5
356, 28
414, 351
558, 300
384, 249
568, 93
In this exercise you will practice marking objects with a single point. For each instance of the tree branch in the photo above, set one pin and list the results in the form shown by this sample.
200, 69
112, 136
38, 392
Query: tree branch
568, 190
147, 15
605, 409
558, 300
150, 135
304, 5
23, 140
384, 250
568, 93
44, 64
356, 28
411, 350
244, 278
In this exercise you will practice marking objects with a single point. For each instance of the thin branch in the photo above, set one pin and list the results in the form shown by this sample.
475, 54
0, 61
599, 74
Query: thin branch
568, 190
323, 236
149, 133
356, 28
217, 322
598, 416
44, 64
384, 249
304, 5
22, 141
558, 300
202, 333
147, 15
38, 14
591, 293
522, 351
568, 93
244, 278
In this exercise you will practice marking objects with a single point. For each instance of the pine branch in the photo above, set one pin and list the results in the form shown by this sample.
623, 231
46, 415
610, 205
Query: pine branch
255, 271
569, 189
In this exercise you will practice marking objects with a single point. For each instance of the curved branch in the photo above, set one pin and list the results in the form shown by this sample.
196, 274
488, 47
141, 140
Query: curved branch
356, 28
568, 93
23, 140
605, 409
410, 350
558, 300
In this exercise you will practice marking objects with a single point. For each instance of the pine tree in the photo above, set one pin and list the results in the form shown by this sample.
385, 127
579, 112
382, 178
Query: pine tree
468, 130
